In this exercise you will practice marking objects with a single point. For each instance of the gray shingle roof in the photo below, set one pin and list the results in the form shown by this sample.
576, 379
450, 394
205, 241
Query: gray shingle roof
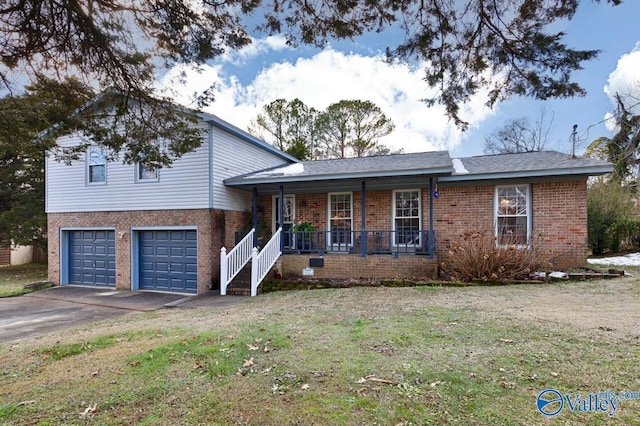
529, 164
432, 163
413, 169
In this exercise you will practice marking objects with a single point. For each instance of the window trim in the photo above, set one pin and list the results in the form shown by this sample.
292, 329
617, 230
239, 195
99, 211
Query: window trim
393, 212
529, 210
329, 220
88, 180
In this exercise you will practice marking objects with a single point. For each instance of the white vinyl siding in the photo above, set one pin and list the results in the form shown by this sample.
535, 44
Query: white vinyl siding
183, 186
195, 181
234, 157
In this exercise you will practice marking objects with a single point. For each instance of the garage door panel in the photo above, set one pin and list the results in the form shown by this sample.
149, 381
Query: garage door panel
177, 251
177, 268
92, 257
168, 260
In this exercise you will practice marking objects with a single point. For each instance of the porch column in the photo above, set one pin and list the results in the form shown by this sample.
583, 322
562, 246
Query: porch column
363, 218
255, 216
431, 245
280, 213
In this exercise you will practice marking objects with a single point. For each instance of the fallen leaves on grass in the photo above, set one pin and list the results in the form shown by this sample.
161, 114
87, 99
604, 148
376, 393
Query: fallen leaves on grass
373, 378
89, 411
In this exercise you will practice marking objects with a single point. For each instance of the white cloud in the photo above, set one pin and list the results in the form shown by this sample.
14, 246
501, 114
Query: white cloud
256, 48
330, 76
625, 81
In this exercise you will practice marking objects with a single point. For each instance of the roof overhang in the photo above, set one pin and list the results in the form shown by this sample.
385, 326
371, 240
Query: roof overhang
219, 123
379, 180
546, 174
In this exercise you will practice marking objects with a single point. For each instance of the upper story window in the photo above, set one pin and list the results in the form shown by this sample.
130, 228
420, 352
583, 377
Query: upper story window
513, 214
97, 165
146, 173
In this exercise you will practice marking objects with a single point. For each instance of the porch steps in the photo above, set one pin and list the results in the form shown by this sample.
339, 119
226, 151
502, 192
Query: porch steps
241, 284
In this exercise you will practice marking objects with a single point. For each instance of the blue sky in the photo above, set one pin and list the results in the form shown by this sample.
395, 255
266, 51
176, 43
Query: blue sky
268, 69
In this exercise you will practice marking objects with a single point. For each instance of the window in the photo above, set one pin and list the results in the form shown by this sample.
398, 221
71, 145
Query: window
512, 214
146, 173
97, 166
406, 216
340, 220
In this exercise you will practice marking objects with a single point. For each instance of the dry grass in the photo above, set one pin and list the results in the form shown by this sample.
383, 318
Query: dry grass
475, 355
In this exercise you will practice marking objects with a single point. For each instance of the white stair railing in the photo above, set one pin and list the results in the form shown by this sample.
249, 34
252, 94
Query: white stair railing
231, 263
262, 262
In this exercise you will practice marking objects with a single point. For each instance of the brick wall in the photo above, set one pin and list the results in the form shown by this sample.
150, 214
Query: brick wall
212, 234
559, 213
342, 266
560, 219
461, 209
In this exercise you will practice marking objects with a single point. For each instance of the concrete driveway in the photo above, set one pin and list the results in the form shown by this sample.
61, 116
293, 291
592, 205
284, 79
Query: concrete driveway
60, 308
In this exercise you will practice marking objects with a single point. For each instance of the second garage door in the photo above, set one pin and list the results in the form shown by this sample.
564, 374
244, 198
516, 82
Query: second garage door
168, 260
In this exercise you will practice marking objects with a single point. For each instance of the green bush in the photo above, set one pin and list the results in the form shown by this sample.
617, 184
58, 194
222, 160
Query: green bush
477, 255
612, 221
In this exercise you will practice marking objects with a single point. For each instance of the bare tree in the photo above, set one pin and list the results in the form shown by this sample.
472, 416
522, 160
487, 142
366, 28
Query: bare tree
519, 135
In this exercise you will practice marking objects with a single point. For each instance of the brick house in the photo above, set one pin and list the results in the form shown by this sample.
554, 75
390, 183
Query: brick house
389, 216
128, 227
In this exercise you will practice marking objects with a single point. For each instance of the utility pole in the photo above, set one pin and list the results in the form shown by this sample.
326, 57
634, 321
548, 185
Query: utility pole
573, 139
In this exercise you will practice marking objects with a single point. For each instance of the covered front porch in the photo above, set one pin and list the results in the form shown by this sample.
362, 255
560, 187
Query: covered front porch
327, 214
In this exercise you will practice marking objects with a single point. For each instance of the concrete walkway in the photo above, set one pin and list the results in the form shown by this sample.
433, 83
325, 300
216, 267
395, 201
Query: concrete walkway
60, 308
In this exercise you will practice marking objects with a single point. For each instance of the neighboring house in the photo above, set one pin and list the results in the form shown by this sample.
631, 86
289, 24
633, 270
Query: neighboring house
127, 227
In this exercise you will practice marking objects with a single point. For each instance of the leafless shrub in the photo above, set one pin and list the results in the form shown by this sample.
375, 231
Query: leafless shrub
477, 255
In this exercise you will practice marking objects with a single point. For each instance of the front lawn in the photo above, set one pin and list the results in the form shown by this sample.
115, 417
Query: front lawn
388, 356
14, 278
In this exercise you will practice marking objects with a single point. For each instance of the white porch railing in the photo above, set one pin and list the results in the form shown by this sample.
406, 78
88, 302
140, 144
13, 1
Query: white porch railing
231, 263
262, 262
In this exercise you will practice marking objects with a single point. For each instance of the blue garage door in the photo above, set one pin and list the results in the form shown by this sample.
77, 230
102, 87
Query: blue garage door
168, 260
92, 258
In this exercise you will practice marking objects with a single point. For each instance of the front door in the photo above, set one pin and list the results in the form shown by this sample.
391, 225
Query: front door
288, 217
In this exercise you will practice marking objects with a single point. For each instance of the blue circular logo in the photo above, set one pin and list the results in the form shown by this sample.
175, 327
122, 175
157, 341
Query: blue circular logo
550, 402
